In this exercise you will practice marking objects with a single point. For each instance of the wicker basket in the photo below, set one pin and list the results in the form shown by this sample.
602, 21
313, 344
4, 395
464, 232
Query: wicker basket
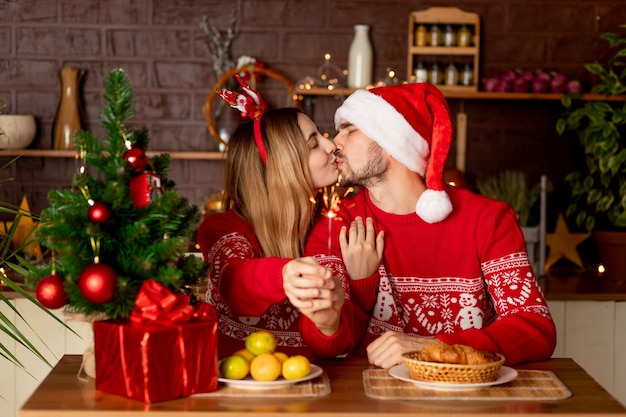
451, 372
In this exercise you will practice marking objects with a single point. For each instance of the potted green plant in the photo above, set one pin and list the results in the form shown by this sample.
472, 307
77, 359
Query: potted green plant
511, 186
598, 190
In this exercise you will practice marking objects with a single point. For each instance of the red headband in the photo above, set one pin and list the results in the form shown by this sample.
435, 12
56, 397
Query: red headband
258, 138
250, 105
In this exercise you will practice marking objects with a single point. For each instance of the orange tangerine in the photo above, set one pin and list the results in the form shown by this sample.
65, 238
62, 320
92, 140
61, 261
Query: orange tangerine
260, 342
296, 367
265, 367
234, 367
245, 353
282, 356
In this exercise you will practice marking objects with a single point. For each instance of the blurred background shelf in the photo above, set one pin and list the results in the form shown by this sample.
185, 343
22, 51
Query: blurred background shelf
51, 153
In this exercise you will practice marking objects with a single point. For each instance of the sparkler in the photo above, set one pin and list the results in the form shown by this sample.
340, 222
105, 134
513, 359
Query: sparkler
331, 200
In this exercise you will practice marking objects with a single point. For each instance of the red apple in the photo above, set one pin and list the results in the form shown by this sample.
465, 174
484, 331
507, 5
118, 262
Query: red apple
574, 87
490, 84
527, 76
540, 85
504, 86
520, 85
508, 75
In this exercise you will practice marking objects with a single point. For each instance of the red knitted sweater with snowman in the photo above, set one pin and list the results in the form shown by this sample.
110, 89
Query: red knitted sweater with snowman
466, 279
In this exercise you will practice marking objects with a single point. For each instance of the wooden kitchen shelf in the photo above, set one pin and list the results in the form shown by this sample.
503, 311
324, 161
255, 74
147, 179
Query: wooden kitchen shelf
51, 153
471, 95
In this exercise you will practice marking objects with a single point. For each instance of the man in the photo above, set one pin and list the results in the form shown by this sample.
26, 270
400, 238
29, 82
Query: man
455, 267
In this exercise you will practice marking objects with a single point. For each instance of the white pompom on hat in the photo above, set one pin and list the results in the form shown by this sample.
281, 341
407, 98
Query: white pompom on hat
412, 123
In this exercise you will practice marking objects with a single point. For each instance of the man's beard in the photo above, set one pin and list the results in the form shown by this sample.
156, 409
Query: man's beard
372, 174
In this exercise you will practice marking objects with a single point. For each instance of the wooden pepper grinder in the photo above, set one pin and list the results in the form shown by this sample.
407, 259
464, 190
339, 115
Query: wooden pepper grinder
67, 120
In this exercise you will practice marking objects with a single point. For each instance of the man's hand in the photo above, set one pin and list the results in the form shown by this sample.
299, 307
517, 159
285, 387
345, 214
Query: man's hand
386, 351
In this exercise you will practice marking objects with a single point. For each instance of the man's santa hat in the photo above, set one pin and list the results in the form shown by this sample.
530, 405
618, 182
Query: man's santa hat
412, 123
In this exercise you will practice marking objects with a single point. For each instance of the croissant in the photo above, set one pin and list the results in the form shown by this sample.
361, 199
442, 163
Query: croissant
459, 354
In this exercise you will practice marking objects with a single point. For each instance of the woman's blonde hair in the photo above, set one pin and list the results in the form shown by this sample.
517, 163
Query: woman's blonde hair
275, 198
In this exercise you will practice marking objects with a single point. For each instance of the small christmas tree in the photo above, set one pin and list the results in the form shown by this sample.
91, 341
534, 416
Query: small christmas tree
121, 223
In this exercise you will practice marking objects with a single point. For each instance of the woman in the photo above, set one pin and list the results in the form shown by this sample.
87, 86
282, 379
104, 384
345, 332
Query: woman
275, 166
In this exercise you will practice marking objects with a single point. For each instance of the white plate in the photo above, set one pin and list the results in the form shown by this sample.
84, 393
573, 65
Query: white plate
505, 375
250, 383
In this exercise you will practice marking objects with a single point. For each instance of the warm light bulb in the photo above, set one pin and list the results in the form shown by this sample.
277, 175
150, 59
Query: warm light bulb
601, 269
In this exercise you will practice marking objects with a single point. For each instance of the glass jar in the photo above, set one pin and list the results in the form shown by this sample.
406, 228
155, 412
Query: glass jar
449, 36
421, 73
420, 35
464, 36
467, 75
435, 36
452, 74
435, 76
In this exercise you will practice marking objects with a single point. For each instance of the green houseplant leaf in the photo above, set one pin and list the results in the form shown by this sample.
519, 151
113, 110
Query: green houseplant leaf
598, 190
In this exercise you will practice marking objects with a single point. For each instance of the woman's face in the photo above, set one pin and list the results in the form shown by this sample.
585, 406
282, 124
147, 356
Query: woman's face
322, 164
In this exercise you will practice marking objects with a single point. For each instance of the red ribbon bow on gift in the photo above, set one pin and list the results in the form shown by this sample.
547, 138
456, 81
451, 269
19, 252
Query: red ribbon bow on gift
155, 303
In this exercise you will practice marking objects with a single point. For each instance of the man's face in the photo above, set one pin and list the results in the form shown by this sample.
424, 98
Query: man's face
361, 161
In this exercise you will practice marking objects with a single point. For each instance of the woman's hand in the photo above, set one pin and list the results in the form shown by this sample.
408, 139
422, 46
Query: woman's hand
328, 320
386, 351
362, 249
315, 292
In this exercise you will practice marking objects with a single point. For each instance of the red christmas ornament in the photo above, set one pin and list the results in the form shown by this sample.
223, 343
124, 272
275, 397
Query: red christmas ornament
99, 212
136, 158
97, 283
144, 189
50, 292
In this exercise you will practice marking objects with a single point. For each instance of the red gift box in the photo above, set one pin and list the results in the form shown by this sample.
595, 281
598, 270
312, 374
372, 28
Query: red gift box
166, 350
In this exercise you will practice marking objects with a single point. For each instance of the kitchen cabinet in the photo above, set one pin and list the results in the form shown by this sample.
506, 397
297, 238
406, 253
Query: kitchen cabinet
593, 333
50, 337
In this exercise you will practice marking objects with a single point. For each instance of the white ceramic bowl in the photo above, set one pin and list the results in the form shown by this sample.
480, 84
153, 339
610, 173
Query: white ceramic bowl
18, 131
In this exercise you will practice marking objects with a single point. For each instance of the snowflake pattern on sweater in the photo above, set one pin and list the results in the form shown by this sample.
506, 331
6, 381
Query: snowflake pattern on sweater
281, 318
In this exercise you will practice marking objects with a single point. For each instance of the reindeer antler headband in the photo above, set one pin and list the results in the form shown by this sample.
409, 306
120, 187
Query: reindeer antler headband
252, 106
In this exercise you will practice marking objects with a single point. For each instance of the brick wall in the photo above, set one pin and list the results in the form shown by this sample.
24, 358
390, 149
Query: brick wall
160, 45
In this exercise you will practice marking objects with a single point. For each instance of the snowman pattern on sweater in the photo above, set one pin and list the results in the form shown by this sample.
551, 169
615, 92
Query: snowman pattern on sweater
430, 306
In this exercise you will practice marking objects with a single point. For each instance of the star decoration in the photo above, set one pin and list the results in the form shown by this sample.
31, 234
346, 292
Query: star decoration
24, 232
563, 244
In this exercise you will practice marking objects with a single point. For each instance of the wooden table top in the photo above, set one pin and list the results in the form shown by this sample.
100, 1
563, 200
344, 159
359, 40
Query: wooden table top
62, 394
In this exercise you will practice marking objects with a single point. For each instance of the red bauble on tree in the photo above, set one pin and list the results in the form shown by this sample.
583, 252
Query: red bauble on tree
99, 212
136, 158
50, 292
97, 283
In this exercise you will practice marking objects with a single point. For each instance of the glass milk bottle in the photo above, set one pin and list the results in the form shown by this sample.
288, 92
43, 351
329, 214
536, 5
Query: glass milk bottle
360, 58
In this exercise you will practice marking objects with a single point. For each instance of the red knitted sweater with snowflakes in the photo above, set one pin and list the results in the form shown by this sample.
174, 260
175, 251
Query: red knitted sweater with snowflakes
247, 291
465, 280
